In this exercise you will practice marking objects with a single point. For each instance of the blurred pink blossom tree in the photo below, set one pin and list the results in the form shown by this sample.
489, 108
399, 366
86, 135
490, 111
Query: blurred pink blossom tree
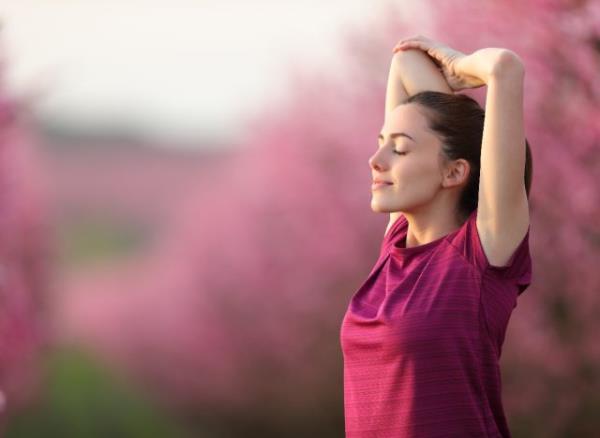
23, 254
239, 307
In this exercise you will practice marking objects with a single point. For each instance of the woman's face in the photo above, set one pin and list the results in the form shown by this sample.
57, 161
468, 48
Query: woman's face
408, 157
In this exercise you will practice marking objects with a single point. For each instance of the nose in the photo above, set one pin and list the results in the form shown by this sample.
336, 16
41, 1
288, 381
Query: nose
376, 162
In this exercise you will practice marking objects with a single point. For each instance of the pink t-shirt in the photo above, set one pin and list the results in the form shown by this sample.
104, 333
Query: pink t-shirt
422, 337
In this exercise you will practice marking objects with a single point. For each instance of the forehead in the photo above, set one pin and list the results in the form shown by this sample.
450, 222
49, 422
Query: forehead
404, 118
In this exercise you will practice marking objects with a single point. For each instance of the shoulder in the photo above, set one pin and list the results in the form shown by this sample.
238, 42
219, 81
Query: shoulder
511, 262
480, 248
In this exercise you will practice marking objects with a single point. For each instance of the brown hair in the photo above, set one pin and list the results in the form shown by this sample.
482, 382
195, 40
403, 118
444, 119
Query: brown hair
458, 119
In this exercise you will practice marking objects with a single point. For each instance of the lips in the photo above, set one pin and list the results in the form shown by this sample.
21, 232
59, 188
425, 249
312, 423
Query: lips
380, 185
378, 181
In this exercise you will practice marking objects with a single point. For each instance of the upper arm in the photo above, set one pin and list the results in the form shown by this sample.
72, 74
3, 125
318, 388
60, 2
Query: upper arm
412, 71
503, 207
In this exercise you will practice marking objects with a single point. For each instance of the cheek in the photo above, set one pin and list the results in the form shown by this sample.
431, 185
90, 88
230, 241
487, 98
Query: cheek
416, 175
412, 168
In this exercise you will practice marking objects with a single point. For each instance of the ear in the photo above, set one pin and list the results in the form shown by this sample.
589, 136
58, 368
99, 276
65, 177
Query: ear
456, 173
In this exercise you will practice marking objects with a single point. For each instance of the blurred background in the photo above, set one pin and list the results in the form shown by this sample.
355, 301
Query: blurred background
184, 209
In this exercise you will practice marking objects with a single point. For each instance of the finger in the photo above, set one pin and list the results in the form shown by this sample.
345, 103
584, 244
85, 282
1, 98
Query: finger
417, 38
410, 40
419, 42
412, 44
413, 38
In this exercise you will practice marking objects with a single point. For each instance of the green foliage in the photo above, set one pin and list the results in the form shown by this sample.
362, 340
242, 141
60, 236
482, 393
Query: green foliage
80, 398
96, 239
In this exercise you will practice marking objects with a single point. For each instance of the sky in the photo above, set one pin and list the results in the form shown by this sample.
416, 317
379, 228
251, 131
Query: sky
172, 68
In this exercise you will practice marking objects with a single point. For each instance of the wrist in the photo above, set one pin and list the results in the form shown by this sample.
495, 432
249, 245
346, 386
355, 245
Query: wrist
488, 63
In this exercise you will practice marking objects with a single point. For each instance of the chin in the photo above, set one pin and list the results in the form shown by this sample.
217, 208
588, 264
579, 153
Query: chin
380, 208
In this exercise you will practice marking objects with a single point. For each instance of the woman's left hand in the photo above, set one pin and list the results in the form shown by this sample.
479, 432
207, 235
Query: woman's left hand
447, 59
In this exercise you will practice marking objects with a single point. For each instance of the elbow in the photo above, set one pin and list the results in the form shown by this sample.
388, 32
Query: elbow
508, 63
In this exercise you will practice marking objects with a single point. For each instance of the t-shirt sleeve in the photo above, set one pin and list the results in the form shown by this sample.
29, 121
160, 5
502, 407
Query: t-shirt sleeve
518, 269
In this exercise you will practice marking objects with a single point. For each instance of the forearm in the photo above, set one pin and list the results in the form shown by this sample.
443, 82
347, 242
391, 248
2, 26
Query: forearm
487, 63
411, 72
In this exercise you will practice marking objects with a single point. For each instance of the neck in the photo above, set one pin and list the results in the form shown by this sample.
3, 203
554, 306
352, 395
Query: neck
429, 224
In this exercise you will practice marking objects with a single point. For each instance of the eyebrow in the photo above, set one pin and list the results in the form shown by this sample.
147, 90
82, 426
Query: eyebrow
397, 134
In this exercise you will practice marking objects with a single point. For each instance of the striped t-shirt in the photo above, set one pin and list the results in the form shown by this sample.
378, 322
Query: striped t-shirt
422, 337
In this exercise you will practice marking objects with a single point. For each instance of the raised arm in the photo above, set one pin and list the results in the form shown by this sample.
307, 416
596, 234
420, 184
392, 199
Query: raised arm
411, 72
503, 208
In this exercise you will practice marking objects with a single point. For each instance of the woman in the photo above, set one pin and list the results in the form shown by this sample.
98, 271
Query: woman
422, 336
